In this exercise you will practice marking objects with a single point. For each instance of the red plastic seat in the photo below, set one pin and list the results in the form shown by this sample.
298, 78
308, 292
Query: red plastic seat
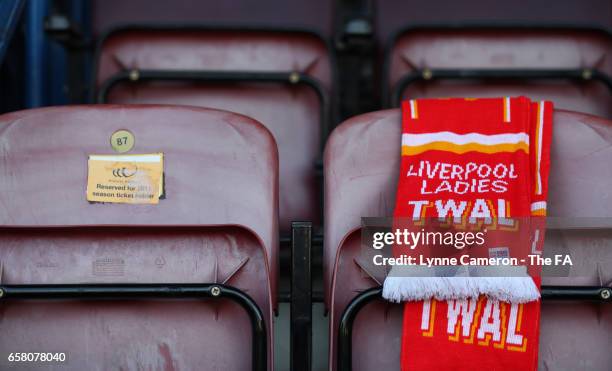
361, 171
290, 110
586, 51
217, 224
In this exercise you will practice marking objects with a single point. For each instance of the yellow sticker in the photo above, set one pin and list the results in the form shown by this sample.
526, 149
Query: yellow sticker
126, 179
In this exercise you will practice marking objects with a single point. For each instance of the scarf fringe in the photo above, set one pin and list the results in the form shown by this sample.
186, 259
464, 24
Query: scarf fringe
506, 289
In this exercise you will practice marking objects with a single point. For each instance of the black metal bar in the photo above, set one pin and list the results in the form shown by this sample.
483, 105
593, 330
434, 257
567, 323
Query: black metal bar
317, 240
345, 330
139, 291
199, 76
600, 294
301, 296
285, 296
582, 75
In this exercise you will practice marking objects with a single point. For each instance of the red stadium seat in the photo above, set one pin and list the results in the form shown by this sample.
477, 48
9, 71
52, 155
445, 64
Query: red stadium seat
281, 78
570, 66
361, 171
216, 225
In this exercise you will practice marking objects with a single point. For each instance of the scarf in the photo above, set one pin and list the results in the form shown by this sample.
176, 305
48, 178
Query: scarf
473, 187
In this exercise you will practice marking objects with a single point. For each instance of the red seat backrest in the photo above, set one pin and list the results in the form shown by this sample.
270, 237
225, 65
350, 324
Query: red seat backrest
361, 171
290, 112
473, 47
217, 224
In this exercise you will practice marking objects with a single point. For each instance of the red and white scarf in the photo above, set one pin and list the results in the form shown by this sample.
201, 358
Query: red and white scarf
472, 165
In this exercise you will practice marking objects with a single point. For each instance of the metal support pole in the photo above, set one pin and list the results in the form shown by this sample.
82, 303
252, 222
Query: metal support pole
35, 52
301, 292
